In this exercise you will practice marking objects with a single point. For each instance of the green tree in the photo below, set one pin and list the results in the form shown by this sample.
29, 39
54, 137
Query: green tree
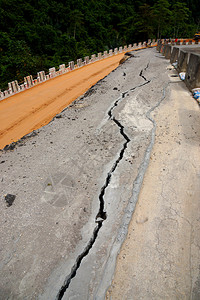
75, 20
145, 22
162, 15
180, 15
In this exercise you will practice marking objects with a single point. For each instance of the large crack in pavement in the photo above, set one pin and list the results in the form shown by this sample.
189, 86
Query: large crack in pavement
102, 215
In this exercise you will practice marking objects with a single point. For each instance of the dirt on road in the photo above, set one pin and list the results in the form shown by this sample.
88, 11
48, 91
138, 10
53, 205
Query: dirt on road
34, 108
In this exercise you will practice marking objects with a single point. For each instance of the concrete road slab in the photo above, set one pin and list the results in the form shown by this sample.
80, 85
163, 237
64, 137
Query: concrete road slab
75, 183
160, 256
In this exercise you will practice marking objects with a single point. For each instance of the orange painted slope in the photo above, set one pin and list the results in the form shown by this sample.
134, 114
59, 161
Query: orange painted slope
34, 108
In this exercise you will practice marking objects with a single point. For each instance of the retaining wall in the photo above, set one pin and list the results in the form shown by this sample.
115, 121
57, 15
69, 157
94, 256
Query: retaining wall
14, 87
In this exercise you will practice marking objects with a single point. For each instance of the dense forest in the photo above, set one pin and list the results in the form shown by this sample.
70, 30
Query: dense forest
38, 34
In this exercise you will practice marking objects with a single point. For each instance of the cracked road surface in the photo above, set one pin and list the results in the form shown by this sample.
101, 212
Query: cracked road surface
76, 183
160, 258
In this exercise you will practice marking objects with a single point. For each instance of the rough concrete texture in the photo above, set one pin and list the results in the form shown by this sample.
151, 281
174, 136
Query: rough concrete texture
160, 256
190, 48
192, 78
167, 53
182, 61
174, 55
75, 183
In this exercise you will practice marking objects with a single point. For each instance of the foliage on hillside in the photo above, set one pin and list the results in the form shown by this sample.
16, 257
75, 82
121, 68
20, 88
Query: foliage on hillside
38, 34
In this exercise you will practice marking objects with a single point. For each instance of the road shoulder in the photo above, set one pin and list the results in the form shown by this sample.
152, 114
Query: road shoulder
160, 256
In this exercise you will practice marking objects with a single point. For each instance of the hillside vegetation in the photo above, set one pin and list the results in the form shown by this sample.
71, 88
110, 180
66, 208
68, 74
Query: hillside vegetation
39, 34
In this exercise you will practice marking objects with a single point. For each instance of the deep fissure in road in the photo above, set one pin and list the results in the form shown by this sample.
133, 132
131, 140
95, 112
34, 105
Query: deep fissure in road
101, 215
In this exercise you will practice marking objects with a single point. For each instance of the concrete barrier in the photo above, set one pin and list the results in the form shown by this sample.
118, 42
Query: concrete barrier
159, 44
167, 51
174, 55
192, 77
182, 61
161, 48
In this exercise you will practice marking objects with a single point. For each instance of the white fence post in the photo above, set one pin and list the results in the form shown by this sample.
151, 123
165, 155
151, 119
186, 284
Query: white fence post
1, 95
86, 60
93, 57
125, 49
105, 54
52, 72
120, 49
99, 55
6, 93
10, 88
71, 65
79, 62
41, 76
21, 87
116, 51
62, 68
110, 52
